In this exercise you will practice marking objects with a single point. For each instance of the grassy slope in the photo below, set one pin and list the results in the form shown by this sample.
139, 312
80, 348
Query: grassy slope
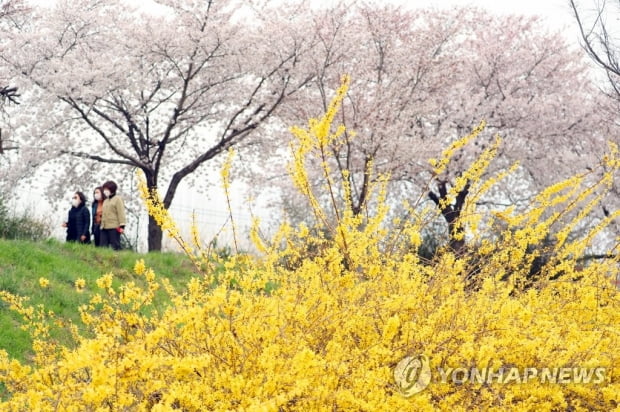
23, 263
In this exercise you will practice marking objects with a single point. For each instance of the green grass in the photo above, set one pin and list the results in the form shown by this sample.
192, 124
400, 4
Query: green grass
22, 263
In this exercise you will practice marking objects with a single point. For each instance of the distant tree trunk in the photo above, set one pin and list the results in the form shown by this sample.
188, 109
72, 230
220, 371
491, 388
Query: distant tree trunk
155, 235
451, 213
358, 203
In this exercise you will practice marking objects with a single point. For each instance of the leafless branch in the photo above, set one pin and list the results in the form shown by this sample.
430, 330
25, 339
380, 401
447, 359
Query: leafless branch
9, 94
598, 42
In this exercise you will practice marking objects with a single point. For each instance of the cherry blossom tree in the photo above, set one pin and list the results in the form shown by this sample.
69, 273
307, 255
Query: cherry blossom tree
10, 11
163, 90
166, 90
423, 78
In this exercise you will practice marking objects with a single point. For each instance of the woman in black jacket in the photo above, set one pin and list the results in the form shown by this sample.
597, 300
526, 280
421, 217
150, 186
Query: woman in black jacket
78, 223
97, 210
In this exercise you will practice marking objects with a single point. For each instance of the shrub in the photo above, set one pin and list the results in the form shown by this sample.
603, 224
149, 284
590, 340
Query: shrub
329, 330
24, 226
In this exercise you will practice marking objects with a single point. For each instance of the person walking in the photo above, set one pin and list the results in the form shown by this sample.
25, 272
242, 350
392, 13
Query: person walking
112, 217
78, 220
97, 210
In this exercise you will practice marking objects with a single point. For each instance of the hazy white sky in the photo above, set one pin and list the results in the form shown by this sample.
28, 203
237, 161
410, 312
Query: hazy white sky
556, 9
543, 7
556, 13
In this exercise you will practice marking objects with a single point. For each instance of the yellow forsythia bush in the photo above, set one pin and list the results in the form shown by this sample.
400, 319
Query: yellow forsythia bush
335, 317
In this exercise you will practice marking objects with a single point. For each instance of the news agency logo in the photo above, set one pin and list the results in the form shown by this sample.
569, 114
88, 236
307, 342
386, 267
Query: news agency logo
413, 374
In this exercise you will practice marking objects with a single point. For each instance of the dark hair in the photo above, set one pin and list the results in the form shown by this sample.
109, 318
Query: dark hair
100, 189
110, 185
82, 198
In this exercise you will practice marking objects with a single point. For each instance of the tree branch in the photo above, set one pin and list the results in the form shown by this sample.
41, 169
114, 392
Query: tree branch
84, 116
608, 61
596, 257
10, 94
97, 158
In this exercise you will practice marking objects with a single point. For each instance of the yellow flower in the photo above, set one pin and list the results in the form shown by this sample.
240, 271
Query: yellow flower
80, 284
139, 268
105, 282
43, 282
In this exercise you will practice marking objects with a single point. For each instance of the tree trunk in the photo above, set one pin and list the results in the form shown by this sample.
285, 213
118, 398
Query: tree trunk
155, 235
455, 244
451, 213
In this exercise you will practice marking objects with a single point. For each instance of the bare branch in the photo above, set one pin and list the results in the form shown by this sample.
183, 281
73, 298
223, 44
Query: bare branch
598, 44
9, 94
97, 158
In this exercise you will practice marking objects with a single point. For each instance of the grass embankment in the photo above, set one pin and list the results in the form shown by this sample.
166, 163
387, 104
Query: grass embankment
23, 263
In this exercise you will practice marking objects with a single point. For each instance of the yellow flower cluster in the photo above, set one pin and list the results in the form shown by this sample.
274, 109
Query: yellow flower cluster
439, 166
225, 174
321, 321
80, 284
